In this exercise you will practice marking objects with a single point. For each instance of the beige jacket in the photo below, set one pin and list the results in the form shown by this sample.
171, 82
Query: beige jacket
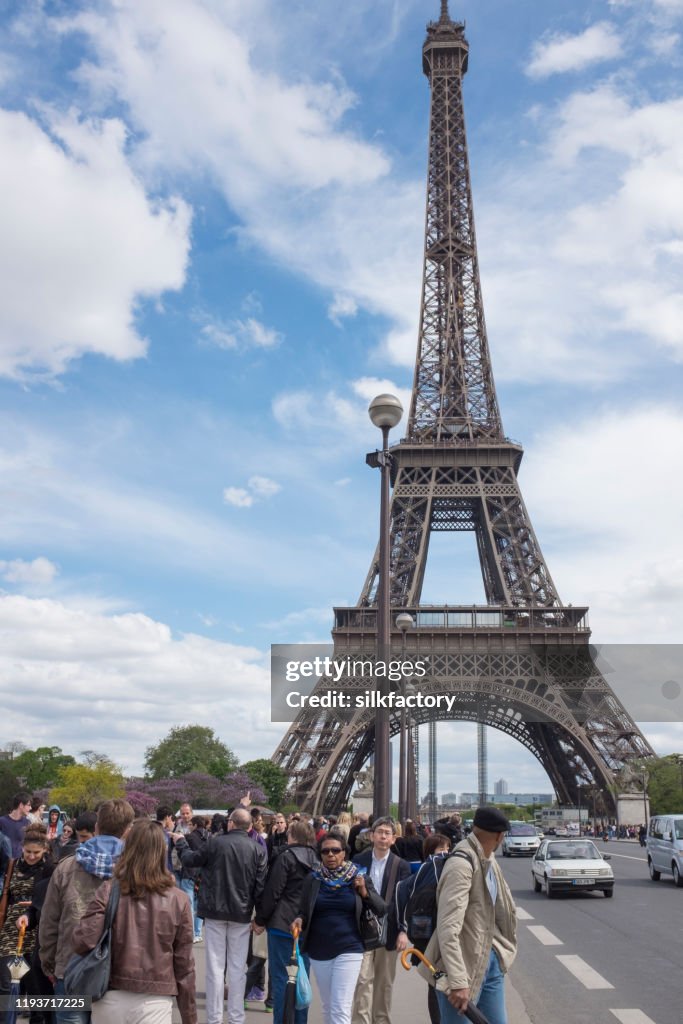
468, 925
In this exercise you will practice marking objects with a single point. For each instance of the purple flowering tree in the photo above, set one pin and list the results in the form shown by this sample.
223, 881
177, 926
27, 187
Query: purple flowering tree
196, 788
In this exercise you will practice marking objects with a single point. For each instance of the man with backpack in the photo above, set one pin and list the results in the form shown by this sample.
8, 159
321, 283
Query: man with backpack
415, 905
475, 940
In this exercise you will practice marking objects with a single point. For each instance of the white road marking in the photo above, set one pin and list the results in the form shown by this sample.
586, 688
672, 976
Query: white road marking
583, 971
523, 915
544, 936
632, 1017
627, 856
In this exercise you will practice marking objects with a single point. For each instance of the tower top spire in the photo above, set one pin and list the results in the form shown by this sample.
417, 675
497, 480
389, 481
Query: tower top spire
445, 16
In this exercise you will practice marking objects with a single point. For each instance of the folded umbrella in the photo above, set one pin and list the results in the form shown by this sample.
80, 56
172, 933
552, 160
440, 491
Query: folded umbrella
18, 967
472, 1012
289, 1014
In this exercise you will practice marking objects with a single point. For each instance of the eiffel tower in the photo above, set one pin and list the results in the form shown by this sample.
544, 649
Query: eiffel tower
522, 663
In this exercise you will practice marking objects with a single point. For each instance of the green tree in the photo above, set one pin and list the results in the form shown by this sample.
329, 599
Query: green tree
270, 777
664, 783
80, 787
9, 785
40, 767
189, 748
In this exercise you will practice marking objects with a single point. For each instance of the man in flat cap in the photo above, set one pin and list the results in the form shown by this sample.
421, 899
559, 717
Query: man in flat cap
475, 940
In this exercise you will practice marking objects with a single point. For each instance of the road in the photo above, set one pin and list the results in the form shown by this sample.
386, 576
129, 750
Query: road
631, 943
624, 956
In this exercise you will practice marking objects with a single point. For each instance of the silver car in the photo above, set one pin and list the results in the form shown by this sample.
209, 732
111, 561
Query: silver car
665, 847
521, 839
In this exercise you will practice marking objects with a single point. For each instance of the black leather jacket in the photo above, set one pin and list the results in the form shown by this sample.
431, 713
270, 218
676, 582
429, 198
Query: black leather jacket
281, 898
233, 875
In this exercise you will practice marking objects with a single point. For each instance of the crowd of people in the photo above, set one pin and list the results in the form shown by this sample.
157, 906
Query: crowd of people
245, 890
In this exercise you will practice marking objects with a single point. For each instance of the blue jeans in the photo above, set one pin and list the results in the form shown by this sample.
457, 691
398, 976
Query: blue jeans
279, 953
69, 1016
491, 999
187, 885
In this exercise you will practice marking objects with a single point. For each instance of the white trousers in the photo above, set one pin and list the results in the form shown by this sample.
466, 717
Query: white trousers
226, 946
121, 1007
336, 980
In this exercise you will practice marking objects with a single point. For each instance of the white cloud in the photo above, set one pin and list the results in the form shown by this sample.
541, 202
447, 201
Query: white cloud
82, 243
369, 387
336, 414
249, 333
78, 666
608, 520
238, 497
221, 337
562, 53
340, 307
83, 499
207, 101
40, 571
258, 334
581, 260
263, 487
316, 198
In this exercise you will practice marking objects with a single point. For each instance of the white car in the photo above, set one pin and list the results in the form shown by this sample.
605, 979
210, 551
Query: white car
571, 865
520, 839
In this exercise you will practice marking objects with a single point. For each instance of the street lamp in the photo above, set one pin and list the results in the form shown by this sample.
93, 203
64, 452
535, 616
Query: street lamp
646, 779
385, 411
578, 790
404, 621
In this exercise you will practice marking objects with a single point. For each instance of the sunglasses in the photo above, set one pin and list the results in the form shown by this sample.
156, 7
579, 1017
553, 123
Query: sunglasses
331, 849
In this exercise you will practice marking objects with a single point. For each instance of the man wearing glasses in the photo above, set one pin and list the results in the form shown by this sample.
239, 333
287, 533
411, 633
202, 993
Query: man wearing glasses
372, 1002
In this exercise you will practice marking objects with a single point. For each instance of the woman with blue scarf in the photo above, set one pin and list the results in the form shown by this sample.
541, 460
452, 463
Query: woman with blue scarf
332, 901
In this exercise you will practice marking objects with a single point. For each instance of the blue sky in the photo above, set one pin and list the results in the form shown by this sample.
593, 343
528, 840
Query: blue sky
210, 261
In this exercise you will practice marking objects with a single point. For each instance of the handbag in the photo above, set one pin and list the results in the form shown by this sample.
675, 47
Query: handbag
304, 991
88, 975
373, 929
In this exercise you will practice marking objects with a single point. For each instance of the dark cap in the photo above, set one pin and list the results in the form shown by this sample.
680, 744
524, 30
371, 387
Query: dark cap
490, 819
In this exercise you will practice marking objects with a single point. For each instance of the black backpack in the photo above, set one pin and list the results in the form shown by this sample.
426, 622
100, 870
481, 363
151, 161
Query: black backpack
420, 912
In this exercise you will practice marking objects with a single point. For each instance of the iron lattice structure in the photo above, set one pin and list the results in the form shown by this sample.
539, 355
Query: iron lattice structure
522, 663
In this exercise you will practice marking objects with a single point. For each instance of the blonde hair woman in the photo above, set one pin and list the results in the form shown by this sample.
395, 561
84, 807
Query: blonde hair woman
343, 824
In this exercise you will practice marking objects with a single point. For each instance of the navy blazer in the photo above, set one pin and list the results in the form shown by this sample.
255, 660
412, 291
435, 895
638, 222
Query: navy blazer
364, 860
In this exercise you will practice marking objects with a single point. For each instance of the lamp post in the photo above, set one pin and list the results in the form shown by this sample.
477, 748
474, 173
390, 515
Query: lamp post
404, 621
385, 411
646, 778
578, 790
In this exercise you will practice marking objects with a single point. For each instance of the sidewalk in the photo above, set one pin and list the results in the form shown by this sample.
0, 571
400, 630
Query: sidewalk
409, 1002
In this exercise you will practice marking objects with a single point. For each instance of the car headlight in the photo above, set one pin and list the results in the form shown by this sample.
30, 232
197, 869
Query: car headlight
604, 871
559, 872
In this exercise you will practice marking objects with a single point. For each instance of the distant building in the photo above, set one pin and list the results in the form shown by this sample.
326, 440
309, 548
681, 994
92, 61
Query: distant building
472, 799
449, 799
522, 799
500, 788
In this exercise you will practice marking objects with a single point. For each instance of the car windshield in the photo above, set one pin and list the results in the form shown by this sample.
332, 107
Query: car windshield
572, 851
522, 830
